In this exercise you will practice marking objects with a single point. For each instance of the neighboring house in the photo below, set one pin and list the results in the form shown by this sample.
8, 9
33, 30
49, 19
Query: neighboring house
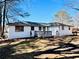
32, 29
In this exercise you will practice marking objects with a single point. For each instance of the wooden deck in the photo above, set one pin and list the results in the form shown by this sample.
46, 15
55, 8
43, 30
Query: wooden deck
43, 33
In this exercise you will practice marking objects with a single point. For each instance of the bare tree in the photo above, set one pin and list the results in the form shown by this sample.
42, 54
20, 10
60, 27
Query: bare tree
11, 10
62, 17
73, 4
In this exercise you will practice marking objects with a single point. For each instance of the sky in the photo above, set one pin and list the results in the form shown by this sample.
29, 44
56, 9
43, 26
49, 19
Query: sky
44, 10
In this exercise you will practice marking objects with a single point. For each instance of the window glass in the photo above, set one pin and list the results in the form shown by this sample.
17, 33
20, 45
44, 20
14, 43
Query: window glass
62, 27
32, 28
19, 28
69, 28
39, 28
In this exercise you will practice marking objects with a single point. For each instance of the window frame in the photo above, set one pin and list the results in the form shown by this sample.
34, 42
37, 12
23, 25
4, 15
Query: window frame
69, 28
32, 28
62, 27
44, 28
19, 28
40, 28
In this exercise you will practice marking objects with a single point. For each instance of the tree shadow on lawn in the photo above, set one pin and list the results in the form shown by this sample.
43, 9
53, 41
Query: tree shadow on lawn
68, 57
64, 51
6, 52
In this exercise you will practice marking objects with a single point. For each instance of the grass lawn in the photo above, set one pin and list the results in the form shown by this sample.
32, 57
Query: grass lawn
23, 48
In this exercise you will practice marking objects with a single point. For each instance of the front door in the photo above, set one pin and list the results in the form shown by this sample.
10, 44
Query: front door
57, 33
32, 33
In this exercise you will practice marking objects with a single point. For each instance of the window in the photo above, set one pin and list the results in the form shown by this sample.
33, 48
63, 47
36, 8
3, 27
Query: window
39, 28
19, 28
32, 28
62, 27
69, 28
43, 28
47, 28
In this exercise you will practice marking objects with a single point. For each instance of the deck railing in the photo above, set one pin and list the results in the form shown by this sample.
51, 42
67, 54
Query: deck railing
43, 33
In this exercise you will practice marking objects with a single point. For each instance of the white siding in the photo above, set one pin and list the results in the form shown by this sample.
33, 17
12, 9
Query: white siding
66, 31
53, 29
13, 34
36, 28
27, 29
61, 32
33, 31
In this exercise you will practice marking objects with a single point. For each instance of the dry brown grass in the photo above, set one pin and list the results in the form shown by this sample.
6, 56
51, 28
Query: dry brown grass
44, 44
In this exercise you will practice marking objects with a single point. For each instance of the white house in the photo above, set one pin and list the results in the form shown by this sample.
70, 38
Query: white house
32, 29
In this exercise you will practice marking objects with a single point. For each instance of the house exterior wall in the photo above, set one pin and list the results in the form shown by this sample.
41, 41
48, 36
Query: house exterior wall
36, 28
53, 29
13, 34
66, 31
33, 31
56, 31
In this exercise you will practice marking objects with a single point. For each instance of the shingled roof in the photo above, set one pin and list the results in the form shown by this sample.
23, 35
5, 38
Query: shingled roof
27, 23
24, 23
59, 24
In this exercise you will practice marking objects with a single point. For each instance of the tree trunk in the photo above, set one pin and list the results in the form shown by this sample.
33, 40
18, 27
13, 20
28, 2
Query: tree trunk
4, 16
